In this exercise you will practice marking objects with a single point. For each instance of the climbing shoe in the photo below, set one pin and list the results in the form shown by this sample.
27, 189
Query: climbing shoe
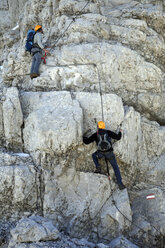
98, 170
121, 186
33, 75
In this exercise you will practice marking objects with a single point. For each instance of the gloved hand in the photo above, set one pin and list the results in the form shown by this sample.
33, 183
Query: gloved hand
85, 134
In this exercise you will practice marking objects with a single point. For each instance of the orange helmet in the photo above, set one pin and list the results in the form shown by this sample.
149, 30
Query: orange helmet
37, 28
101, 125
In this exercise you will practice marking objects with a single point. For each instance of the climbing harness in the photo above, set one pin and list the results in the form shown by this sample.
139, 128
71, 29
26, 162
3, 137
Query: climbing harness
44, 58
102, 110
114, 202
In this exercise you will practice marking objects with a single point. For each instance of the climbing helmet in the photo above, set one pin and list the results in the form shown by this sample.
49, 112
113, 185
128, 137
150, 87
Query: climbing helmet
37, 28
101, 125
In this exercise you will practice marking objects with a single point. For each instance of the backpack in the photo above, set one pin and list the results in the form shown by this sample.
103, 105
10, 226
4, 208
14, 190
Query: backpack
29, 40
103, 141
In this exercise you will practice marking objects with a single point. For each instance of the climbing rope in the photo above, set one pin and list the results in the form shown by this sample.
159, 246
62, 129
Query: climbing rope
114, 202
67, 65
73, 20
44, 58
100, 91
95, 65
102, 111
99, 80
62, 35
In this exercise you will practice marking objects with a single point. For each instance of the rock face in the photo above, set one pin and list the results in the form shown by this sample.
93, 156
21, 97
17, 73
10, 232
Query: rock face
12, 120
18, 185
34, 229
122, 242
51, 116
106, 63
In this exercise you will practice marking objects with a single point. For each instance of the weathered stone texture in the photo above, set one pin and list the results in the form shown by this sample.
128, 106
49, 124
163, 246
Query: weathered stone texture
18, 185
54, 115
1, 124
114, 50
33, 229
13, 120
63, 202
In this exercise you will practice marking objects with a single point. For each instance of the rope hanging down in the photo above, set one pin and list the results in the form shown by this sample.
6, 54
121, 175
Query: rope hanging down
44, 58
99, 80
101, 95
114, 202
67, 65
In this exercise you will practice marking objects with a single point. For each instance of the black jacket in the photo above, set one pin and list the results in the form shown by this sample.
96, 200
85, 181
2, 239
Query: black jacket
93, 137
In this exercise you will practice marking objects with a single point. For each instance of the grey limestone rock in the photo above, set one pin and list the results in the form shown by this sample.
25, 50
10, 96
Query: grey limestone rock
110, 53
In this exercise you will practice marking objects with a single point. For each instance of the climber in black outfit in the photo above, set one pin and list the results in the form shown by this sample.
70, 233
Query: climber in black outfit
105, 150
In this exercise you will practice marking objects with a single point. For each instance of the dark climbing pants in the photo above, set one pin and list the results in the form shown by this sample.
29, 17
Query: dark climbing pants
111, 158
36, 61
